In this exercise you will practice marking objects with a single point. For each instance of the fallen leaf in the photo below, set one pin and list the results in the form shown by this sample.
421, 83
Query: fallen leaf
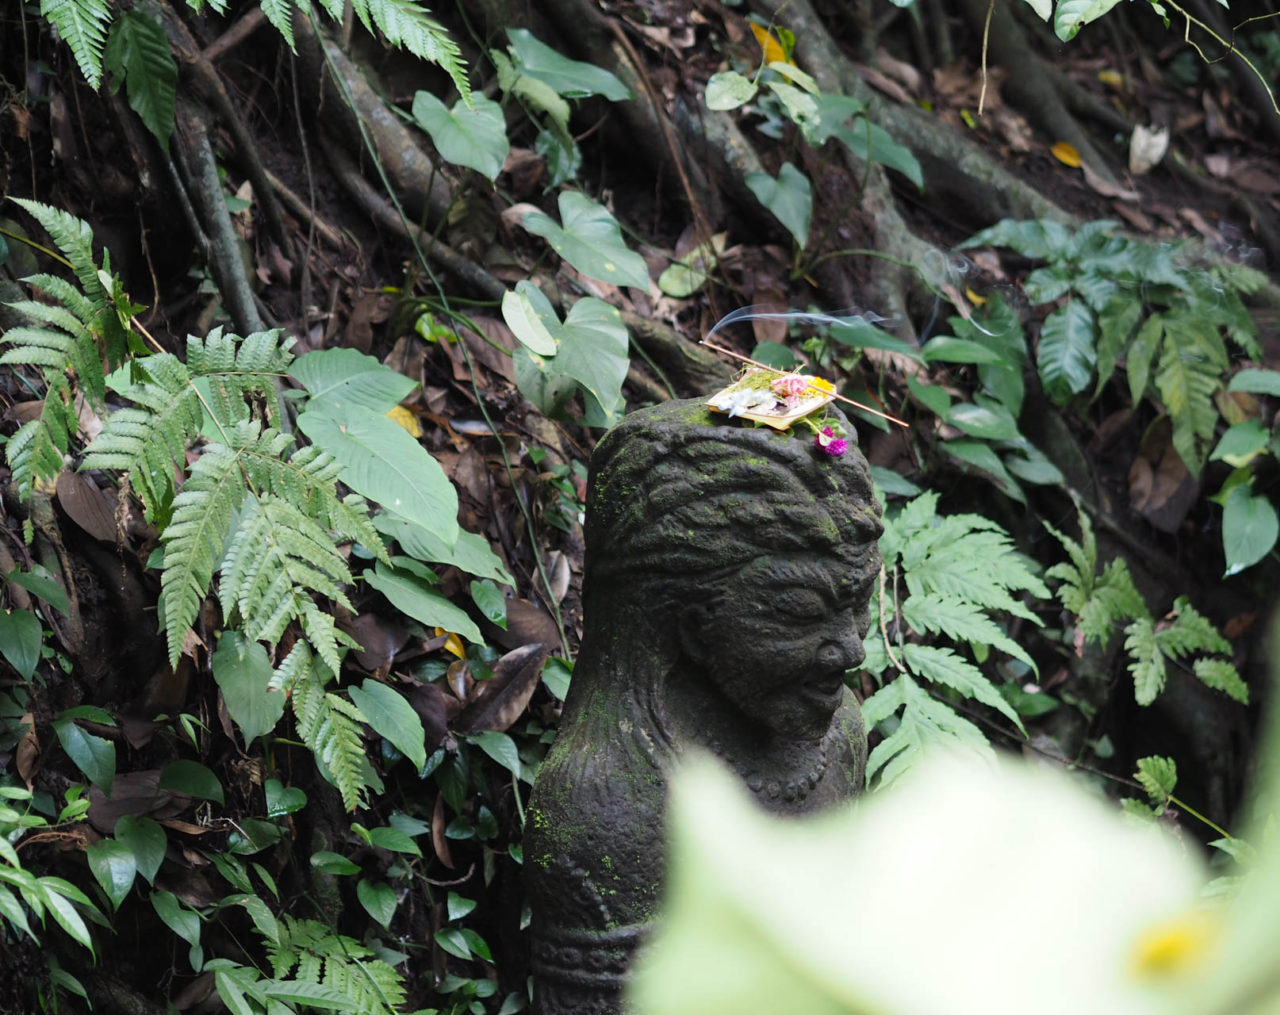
769, 44
1065, 154
1147, 146
91, 508
1160, 486
1111, 78
438, 841
402, 416
498, 702
1105, 187
1218, 165
27, 754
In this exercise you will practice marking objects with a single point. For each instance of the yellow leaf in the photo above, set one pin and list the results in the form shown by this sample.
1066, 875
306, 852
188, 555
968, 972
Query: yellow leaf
452, 644
769, 44
1065, 154
968, 119
973, 297
1111, 77
406, 419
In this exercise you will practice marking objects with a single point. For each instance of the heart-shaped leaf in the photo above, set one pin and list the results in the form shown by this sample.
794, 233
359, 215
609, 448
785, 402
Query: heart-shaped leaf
789, 197
475, 137
590, 240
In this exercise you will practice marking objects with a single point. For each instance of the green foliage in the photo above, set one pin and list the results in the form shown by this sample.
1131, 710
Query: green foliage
312, 953
138, 52
1104, 601
961, 574
590, 240
474, 136
328, 723
789, 197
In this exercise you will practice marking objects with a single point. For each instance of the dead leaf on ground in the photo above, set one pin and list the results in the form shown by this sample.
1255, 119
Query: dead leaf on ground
527, 624
438, 841
1160, 486
769, 300
498, 702
1105, 187
136, 794
435, 709
26, 755
90, 507
483, 349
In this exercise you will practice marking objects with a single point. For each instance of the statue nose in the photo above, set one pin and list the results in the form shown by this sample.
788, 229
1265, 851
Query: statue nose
844, 654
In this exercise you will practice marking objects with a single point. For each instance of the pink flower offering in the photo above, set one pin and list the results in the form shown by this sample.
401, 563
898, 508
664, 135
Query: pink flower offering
827, 442
790, 385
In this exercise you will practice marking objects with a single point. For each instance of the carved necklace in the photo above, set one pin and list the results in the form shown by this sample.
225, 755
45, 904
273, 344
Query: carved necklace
793, 789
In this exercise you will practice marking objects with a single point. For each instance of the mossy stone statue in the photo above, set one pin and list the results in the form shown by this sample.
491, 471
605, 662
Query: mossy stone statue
728, 575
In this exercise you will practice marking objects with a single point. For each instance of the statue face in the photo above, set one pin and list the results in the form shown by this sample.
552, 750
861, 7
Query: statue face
777, 640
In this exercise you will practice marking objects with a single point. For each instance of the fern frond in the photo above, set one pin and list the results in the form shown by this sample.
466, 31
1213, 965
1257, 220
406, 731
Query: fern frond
35, 452
83, 26
1192, 360
317, 954
148, 440
73, 236
239, 368
194, 539
407, 23
330, 726
943, 666
925, 724
277, 559
1146, 662
66, 294
1190, 632
960, 620
1222, 676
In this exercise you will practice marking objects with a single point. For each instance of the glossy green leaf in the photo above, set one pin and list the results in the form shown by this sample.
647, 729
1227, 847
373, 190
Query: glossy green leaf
685, 277
862, 334
177, 917
1241, 443
556, 677
490, 601
933, 397
982, 456
474, 137
728, 89
385, 464
529, 319
572, 78
40, 584
138, 54
1256, 381
590, 239
471, 552
414, 597
193, 779
20, 638
564, 157
500, 747
112, 863
949, 349
457, 907
1072, 15
243, 673
592, 357
978, 421
393, 839
146, 840
93, 755
799, 105
339, 379
282, 800
1249, 529
333, 863
789, 197
1040, 239
378, 899
451, 940
1066, 354
392, 717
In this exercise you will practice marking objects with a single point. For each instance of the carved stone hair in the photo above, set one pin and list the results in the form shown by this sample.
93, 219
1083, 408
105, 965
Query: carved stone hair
674, 493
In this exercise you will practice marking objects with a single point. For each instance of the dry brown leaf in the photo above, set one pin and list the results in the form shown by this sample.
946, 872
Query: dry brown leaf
26, 755
498, 702
91, 508
1160, 487
1107, 188
438, 841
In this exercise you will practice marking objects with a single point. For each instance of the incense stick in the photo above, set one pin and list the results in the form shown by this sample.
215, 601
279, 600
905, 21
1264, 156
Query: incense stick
764, 366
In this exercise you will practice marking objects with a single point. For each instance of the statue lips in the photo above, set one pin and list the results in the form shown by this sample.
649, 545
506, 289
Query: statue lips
824, 692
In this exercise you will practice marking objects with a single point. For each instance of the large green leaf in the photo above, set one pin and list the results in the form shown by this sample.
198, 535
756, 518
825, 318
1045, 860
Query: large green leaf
591, 356
392, 717
1249, 529
1072, 15
982, 455
789, 197
95, 756
590, 240
470, 553
193, 779
385, 464
113, 866
413, 596
571, 78
1066, 355
530, 318
138, 54
244, 673
728, 89
146, 842
338, 379
20, 638
1262, 382
474, 137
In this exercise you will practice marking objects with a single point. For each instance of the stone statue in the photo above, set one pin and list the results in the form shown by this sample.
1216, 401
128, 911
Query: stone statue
728, 575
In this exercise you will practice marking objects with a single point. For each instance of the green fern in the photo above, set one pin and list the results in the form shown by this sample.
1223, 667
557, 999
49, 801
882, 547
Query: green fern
329, 725
406, 23
71, 339
1192, 359
149, 440
83, 26
312, 952
1103, 602
958, 570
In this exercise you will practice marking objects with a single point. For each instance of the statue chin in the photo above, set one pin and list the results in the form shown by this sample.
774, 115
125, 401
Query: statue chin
693, 530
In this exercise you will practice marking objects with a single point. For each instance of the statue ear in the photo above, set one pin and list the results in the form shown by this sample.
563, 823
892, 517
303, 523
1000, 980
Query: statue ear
692, 625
